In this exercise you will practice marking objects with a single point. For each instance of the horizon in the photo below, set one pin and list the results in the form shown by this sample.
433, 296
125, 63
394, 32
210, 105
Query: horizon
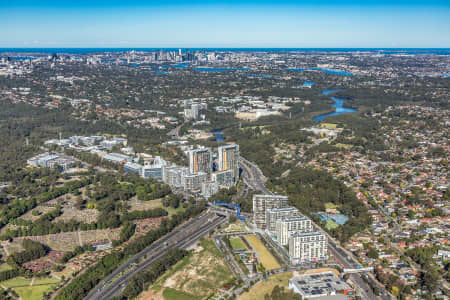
225, 24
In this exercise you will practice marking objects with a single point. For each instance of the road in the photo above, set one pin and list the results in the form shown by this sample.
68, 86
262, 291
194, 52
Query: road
175, 133
253, 176
255, 180
182, 237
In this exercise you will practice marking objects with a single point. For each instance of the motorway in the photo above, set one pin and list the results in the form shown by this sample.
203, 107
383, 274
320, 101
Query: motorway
253, 176
182, 237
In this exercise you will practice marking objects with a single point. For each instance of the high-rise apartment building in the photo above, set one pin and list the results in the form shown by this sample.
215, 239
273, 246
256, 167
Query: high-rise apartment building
229, 160
274, 214
285, 227
200, 160
262, 203
308, 247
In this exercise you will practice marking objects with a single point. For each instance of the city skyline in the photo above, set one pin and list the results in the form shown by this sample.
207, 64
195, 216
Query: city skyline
212, 24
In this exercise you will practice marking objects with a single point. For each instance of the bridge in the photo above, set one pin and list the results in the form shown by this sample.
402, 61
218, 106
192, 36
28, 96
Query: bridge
231, 205
359, 270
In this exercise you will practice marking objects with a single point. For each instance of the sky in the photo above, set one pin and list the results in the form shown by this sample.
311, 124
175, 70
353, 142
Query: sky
226, 24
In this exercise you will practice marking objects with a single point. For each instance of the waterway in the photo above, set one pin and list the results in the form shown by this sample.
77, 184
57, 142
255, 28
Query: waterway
205, 69
327, 71
338, 104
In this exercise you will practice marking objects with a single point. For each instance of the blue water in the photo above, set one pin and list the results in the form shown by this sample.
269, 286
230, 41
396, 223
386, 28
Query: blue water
327, 71
202, 69
181, 65
308, 83
333, 72
338, 219
160, 72
440, 51
219, 136
259, 75
446, 75
23, 57
330, 91
338, 104
296, 69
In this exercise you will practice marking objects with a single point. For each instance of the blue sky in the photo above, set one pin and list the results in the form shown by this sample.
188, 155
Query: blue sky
247, 23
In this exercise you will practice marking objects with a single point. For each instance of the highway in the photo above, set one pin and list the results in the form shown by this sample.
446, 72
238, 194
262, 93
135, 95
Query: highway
253, 176
182, 237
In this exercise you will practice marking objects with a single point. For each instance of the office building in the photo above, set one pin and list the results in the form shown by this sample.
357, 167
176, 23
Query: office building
200, 160
130, 167
229, 160
262, 203
287, 226
274, 214
52, 160
154, 170
319, 285
307, 247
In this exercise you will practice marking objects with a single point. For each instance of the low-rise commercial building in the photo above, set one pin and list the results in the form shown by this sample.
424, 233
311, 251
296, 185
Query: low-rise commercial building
319, 285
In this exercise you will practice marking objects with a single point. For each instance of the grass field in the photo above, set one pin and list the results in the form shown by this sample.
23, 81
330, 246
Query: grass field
237, 243
172, 294
265, 287
5, 267
328, 125
331, 225
330, 205
200, 274
345, 146
145, 205
268, 261
16, 282
35, 292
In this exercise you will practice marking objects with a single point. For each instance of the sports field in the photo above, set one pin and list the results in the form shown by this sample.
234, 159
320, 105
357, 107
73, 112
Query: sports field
268, 261
237, 243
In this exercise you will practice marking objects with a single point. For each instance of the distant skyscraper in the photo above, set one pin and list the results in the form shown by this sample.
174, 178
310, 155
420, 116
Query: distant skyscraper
200, 160
229, 159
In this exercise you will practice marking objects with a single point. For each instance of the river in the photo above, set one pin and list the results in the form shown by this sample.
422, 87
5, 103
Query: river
338, 104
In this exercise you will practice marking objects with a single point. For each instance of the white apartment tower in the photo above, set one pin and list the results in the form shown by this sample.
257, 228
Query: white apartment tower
308, 247
262, 203
285, 227
274, 214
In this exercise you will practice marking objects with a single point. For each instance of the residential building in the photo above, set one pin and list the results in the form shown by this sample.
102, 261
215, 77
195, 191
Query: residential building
307, 247
285, 227
200, 160
192, 182
223, 178
229, 160
274, 214
262, 203
209, 188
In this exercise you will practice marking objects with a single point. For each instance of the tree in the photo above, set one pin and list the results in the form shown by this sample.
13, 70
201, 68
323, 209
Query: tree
372, 253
